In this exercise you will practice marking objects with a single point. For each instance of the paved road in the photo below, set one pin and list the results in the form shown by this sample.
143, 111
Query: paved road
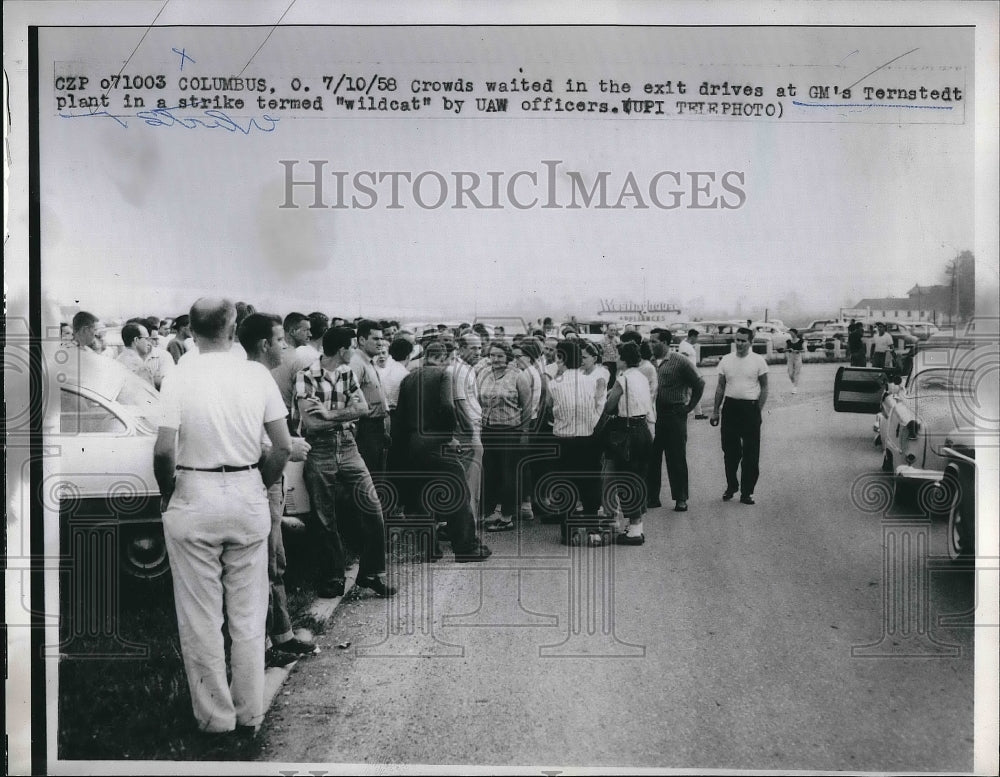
738, 637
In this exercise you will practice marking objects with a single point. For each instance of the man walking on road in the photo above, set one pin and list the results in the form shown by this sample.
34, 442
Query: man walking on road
213, 480
743, 386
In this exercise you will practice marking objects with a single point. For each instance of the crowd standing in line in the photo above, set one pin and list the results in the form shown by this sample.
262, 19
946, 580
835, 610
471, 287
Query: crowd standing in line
508, 427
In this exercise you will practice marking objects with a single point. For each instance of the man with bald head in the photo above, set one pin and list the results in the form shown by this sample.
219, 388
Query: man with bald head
213, 477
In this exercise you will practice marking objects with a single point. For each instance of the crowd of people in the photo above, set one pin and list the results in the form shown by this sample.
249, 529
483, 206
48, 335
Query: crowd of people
463, 429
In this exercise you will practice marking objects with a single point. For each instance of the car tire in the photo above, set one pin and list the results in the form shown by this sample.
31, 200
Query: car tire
961, 518
142, 552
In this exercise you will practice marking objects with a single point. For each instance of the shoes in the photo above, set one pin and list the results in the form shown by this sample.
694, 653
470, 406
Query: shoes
331, 590
526, 513
273, 658
747, 500
296, 647
652, 503
728, 495
625, 539
700, 417
478, 552
681, 506
377, 584
500, 524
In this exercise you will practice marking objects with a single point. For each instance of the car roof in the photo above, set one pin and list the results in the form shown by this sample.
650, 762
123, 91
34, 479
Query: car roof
108, 378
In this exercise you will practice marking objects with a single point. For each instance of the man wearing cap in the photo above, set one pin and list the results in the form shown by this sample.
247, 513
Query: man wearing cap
213, 479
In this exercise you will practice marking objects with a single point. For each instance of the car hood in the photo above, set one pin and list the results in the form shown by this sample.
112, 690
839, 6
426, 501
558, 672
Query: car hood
939, 413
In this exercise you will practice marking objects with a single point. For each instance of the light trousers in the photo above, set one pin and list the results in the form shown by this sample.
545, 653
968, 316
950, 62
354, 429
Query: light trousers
216, 529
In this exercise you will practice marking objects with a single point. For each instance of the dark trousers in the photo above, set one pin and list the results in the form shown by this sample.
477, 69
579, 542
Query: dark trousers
577, 474
741, 443
369, 436
501, 455
626, 476
670, 442
437, 487
334, 460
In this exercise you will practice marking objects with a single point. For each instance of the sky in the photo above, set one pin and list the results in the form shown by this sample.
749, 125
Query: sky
834, 204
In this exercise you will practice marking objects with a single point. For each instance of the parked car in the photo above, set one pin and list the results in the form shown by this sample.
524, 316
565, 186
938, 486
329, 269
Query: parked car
811, 333
718, 336
929, 422
815, 335
959, 452
771, 331
104, 427
100, 480
923, 330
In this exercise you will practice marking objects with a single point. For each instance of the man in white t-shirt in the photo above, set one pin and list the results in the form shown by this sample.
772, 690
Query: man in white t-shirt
743, 385
882, 346
213, 481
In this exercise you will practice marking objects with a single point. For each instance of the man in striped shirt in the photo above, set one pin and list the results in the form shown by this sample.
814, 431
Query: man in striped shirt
330, 401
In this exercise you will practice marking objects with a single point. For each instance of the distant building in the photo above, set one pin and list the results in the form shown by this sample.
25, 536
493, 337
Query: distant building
922, 303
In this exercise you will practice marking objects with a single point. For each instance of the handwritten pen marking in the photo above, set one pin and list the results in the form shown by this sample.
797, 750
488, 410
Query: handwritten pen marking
184, 55
872, 105
162, 117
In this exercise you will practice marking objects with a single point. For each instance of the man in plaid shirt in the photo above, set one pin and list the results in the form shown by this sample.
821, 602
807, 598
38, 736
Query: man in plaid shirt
329, 401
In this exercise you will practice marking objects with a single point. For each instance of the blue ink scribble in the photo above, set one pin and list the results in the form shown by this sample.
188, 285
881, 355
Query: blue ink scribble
163, 117
183, 55
872, 105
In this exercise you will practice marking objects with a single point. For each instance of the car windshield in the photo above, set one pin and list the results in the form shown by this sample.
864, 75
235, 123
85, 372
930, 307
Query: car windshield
141, 399
944, 381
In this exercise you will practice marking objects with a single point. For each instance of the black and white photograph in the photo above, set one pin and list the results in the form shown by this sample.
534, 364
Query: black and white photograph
530, 388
